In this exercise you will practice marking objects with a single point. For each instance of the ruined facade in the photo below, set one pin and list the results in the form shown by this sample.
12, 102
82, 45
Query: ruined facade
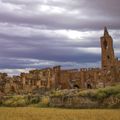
56, 78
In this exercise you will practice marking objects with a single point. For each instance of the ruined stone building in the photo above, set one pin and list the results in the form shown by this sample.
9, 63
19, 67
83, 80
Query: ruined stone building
57, 78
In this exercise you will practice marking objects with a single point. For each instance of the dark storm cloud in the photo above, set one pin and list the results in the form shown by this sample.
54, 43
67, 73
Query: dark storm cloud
42, 33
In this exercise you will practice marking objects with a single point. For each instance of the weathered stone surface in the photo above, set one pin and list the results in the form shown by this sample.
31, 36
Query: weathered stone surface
73, 102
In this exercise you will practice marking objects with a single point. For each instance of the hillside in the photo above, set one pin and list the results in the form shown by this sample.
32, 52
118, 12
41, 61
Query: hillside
108, 97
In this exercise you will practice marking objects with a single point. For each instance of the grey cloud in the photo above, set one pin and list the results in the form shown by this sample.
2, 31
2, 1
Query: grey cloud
60, 21
102, 14
28, 33
28, 63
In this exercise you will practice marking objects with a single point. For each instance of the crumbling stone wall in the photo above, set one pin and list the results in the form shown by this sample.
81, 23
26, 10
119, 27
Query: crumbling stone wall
57, 78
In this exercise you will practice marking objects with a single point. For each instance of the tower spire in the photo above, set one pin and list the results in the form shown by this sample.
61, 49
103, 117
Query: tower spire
106, 31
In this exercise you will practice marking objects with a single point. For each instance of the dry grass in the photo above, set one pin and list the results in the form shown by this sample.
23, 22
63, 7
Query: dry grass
32, 113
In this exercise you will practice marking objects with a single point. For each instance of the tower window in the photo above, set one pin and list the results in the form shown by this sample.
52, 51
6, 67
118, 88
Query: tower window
105, 44
108, 57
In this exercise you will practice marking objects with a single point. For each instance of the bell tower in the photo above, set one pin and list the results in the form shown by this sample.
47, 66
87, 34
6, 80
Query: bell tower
108, 57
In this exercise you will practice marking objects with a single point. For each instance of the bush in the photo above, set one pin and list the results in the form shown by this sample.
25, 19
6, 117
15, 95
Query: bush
15, 101
19, 101
118, 95
112, 90
33, 99
44, 102
107, 92
57, 93
100, 95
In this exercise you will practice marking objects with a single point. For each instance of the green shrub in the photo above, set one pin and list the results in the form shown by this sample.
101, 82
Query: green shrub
19, 101
57, 93
34, 100
44, 102
109, 91
100, 95
15, 101
118, 95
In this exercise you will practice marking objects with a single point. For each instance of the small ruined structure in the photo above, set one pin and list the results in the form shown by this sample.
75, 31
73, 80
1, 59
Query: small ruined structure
56, 78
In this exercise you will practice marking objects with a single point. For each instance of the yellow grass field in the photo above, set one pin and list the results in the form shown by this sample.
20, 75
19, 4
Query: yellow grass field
33, 113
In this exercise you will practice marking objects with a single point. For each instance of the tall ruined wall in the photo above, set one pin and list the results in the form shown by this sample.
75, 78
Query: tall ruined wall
108, 57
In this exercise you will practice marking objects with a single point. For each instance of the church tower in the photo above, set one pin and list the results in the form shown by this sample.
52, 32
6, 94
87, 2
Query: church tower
108, 57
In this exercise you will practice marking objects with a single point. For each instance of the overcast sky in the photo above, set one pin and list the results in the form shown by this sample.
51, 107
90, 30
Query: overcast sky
43, 33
